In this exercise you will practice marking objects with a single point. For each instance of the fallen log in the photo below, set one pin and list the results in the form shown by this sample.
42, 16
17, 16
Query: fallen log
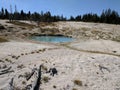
1, 73
6, 71
37, 83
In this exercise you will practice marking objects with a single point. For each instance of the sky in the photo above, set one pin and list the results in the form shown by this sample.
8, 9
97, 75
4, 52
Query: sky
63, 7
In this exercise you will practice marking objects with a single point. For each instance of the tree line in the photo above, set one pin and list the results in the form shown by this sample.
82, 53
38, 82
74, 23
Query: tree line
41, 17
107, 16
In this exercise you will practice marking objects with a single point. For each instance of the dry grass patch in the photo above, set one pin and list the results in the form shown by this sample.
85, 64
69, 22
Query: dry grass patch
23, 82
95, 32
46, 79
74, 89
3, 39
46, 24
84, 28
21, 66
32, 52
54, 86
22, 54
117, 39
23, 25
2, 27
44, 68
8, 60
78, 82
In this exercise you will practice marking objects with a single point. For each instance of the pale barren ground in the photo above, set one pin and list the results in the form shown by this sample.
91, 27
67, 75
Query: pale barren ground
91, 62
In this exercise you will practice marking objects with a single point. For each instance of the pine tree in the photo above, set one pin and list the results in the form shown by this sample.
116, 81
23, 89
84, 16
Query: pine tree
2, 13
6, 14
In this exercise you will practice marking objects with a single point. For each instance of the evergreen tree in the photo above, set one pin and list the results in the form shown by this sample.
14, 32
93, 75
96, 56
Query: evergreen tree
29, 15
78, 18
107, 16
6, 14
2, 13
16, 14
72, 18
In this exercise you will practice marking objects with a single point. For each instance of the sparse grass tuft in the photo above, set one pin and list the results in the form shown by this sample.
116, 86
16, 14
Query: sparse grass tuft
23, 25
74, 89
32, 52
1, 61
18, 88
78, 82
54, 86
23, 28
3, 40
2, 27
84, 28
95, 32
44, 68
40, 50
23, 82
22, 54
13, 56
20, 66
8, 60
27, 74
46, 79
37, 51
26, 53
117, 39
43, 49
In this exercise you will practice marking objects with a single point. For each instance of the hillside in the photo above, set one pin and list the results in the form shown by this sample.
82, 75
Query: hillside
90, 62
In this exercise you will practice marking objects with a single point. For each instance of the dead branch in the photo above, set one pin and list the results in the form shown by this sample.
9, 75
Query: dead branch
102, 67
6, 71
37, 84
32, 73
1, 73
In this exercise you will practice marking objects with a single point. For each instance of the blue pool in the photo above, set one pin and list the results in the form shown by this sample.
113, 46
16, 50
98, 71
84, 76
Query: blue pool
53, 39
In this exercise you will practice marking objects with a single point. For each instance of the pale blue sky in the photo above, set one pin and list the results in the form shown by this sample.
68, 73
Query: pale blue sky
65, 7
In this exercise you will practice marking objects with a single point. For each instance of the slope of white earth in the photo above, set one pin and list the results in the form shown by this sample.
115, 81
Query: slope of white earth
81, 65
95, 71
103, 46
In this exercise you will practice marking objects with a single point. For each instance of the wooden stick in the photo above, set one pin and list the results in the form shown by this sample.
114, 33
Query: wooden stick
33, 71
37, 84
102, 67
1, 73
6, 71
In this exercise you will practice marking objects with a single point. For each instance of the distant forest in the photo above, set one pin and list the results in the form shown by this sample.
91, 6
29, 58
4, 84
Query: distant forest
107, 16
